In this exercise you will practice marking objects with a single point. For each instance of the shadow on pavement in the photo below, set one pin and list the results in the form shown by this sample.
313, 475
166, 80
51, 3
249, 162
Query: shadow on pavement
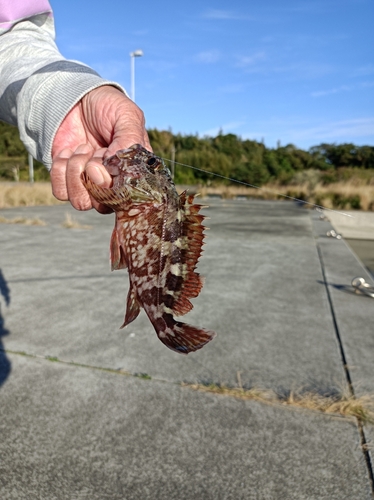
5, 365
342, 288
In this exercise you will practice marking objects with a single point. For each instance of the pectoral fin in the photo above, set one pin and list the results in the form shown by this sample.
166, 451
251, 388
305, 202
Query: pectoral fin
117, 257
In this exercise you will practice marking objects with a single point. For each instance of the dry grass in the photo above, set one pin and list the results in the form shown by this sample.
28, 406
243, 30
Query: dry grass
338, 195
23, 220
230, 192
351, 194
23, 194
344, 405
71, 223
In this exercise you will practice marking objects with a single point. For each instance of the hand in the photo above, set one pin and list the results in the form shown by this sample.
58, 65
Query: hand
103, 122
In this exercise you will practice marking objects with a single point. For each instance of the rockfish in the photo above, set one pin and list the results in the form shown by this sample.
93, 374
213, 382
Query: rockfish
158, 237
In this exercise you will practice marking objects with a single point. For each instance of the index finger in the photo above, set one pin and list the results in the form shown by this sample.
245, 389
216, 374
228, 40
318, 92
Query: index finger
100, 176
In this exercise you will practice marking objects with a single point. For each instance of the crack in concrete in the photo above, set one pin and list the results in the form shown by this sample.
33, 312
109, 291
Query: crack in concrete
360, 424
338, 405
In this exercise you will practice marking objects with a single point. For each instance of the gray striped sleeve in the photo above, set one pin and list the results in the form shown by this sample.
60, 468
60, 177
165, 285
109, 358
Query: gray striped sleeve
38, 87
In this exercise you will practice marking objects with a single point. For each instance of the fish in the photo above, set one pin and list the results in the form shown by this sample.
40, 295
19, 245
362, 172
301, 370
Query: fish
158, 237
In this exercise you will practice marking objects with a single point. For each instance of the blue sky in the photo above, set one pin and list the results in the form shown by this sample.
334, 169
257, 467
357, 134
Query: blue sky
296, 71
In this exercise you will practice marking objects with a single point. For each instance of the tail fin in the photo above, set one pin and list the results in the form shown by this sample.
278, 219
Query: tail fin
181, 337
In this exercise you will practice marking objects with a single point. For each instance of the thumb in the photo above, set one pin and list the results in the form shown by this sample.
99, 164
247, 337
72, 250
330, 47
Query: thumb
127, 140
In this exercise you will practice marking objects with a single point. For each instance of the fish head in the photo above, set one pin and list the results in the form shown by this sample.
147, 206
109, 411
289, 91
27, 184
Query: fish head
140, 171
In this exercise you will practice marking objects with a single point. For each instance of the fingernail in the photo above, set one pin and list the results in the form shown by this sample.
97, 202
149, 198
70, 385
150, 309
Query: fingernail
94, 173
83, 148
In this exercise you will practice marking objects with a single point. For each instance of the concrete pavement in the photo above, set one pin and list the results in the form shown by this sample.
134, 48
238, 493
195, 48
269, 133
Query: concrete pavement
91, 411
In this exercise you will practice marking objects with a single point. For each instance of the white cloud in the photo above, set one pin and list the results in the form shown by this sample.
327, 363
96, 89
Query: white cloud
367, 84
342, 88
343, 130
245, 61
308, 7
218, 14
224, 15
264, 63
321, 93
364, 70
208, 57
304, 133
232, 88
140, 32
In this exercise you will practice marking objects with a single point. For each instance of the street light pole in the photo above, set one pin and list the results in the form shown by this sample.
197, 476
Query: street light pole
172, 163
31, 168
136, 53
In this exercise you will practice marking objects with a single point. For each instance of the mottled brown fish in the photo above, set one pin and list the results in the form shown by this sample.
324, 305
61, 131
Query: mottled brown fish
157, 236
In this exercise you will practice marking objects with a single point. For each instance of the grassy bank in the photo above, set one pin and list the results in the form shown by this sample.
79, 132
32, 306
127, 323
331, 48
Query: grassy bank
347, 195
22, 194
337, 195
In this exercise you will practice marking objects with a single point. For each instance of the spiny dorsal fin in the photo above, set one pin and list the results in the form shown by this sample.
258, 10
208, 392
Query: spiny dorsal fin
192, 240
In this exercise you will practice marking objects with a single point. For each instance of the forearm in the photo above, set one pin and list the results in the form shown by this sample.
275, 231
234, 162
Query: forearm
38, 87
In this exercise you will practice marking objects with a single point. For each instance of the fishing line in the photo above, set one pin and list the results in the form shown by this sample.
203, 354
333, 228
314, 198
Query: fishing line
321, 207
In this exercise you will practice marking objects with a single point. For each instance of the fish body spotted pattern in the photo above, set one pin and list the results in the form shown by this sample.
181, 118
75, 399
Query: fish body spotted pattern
158, 237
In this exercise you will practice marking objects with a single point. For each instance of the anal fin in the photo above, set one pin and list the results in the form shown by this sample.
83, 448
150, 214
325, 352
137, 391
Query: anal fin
132, 308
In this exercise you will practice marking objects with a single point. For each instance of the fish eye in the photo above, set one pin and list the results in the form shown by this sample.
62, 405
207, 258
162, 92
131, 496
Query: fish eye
151, 161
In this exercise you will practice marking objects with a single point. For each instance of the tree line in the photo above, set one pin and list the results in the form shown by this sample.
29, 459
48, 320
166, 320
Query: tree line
14, 157
226, 155
251, 161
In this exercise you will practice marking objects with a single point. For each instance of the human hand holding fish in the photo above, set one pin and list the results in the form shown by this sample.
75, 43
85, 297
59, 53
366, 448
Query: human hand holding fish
158, 237
102, 122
